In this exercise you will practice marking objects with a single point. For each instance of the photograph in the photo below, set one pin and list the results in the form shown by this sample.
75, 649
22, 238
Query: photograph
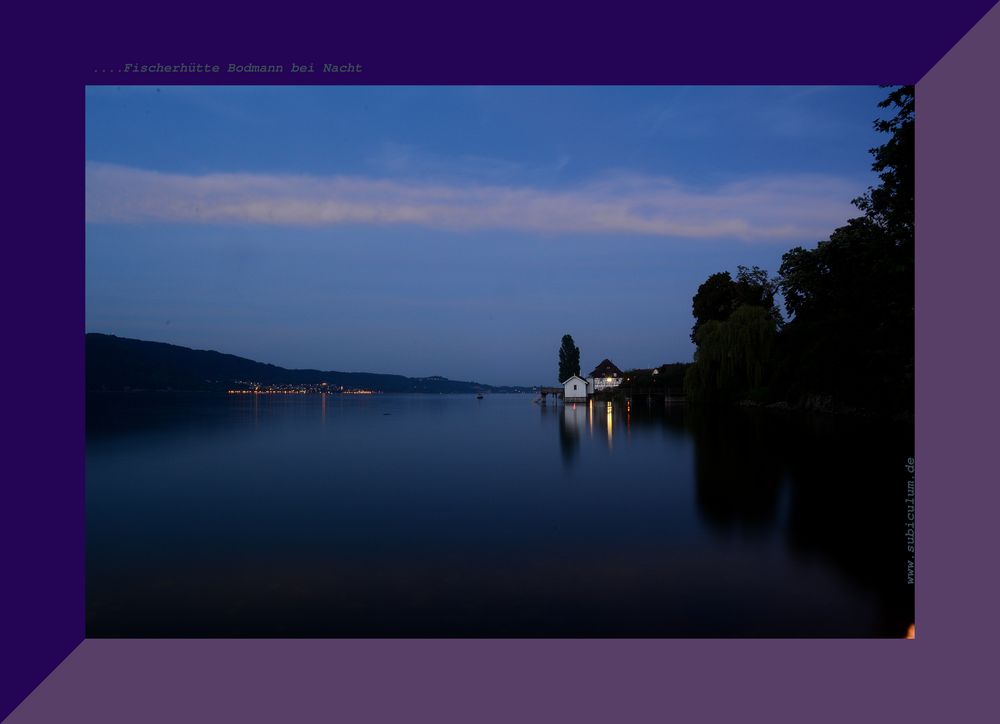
499, 361
498, 365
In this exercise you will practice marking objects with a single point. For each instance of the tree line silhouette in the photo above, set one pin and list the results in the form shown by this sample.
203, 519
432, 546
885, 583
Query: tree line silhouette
847, 341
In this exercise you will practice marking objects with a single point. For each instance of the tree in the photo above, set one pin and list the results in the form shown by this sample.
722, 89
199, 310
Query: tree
569, 358
714, 301
851, 298
735, 324
720, 295
755, 289
733, 356
890, 204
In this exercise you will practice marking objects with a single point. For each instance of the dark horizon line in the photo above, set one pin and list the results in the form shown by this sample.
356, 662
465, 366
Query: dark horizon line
314, 370
319, 370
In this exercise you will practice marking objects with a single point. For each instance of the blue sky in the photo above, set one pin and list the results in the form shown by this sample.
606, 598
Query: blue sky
452, 230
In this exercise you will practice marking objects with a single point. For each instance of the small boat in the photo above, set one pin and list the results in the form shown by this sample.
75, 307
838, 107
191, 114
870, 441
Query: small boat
479, 396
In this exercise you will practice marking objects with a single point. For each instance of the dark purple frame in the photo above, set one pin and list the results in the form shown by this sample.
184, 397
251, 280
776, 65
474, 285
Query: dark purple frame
940, 676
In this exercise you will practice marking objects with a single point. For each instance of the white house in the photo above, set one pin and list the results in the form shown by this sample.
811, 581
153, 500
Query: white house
575, 389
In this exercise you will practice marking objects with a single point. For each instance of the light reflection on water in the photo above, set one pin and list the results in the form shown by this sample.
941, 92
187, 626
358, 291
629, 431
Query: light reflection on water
442, 515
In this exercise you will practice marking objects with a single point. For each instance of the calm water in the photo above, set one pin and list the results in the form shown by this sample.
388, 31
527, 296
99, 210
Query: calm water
449, 516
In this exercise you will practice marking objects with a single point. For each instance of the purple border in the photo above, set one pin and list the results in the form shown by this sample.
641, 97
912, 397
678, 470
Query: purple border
41, 514
773, 41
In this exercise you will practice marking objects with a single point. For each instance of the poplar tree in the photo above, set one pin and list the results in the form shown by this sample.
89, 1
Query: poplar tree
569, 358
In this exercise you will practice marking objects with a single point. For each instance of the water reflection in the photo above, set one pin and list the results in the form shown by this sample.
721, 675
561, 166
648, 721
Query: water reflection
738, 475
288, 517
819, 487
571, 424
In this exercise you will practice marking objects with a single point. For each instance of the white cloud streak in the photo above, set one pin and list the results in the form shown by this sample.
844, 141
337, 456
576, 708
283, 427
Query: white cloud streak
773, 208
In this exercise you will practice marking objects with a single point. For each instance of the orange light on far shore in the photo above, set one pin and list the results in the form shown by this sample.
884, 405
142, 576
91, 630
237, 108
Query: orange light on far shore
909, 632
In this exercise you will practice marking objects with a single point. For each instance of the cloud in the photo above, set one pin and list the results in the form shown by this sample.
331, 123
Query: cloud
399, 160
773, 208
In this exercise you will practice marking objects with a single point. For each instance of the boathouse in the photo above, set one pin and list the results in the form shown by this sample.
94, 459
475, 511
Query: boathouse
575, 389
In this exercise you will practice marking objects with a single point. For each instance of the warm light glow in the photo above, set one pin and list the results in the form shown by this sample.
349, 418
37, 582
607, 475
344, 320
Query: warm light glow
297, 391
910, 632
609, 425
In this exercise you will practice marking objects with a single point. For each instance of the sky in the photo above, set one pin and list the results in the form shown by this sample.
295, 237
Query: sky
454, 231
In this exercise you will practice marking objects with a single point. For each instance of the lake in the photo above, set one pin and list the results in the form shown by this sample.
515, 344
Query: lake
444, 515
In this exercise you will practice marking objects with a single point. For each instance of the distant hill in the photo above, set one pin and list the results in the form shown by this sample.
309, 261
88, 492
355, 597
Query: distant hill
117, 363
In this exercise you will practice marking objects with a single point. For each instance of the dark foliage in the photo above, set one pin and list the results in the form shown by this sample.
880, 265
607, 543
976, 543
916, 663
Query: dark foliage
569, 358
851, 299
850, 336
890, 205
665, 380
733, 356
735, 324
720, 295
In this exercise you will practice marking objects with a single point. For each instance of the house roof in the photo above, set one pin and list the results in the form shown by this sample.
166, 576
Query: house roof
607, 368
573, 377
